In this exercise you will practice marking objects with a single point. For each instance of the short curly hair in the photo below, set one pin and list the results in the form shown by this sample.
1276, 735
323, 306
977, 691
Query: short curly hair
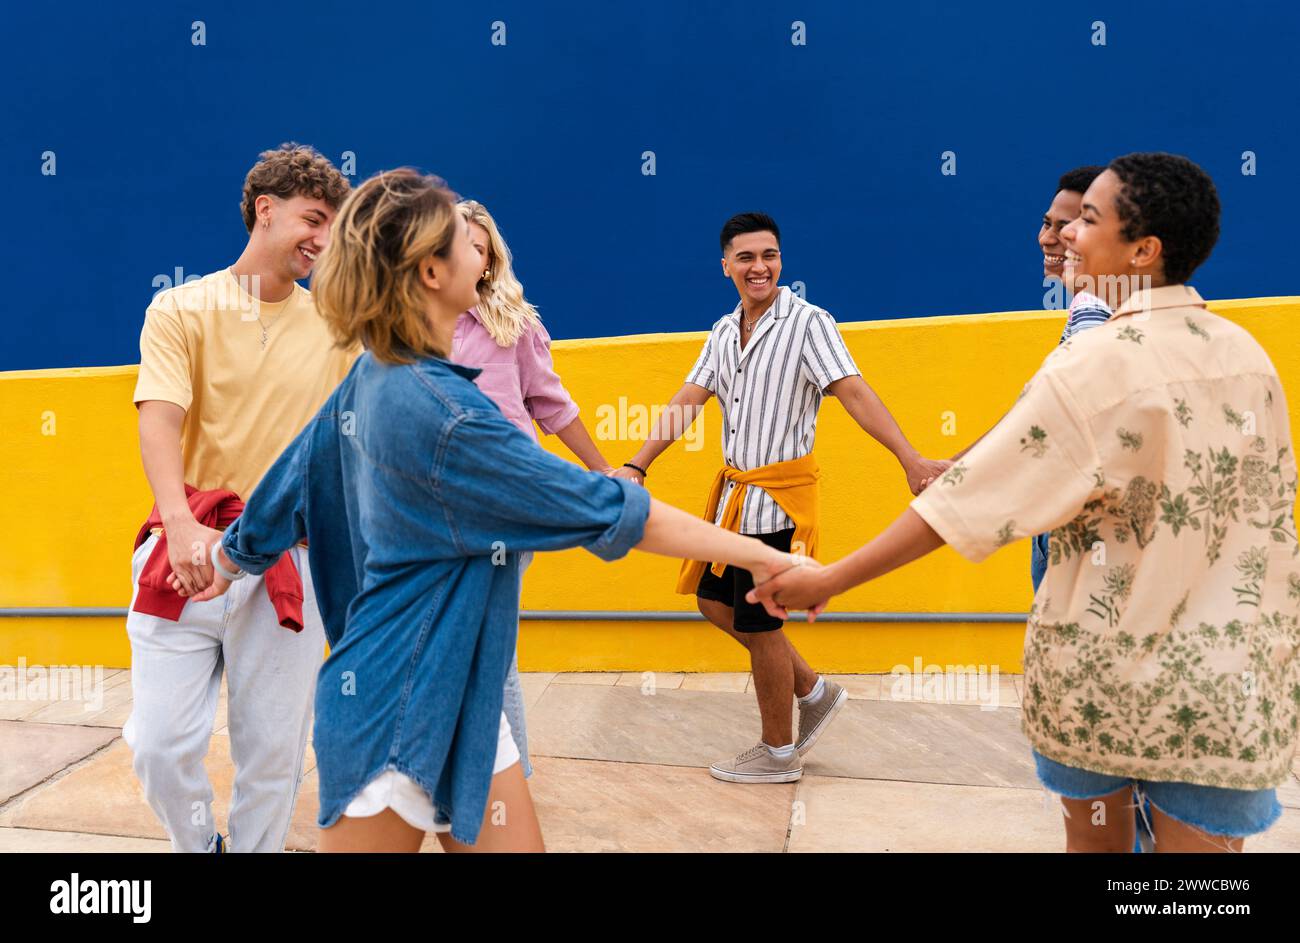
1170, 197
1080, 178
292, 170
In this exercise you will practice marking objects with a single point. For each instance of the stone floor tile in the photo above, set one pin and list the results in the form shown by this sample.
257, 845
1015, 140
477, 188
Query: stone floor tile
652, 680
871, 815
104, 796
604, 678
586, 805
533, 683
860, 687
867, 739
44, 842
31, 753
732, 681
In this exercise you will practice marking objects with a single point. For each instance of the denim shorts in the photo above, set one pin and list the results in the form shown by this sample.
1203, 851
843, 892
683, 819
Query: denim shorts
1039, 551
1235, 813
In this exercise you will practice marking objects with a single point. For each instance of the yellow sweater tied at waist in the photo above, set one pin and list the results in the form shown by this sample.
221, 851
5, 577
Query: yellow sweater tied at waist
792, 485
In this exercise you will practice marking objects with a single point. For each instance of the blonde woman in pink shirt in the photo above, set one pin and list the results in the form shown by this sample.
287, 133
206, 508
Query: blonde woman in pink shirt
503, 336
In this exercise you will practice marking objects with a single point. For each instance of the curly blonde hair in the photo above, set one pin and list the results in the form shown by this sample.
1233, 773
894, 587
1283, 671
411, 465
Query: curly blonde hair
367, 283
292, 170
501, 304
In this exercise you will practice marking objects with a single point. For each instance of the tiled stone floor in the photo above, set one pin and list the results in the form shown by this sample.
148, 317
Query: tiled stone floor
621, 766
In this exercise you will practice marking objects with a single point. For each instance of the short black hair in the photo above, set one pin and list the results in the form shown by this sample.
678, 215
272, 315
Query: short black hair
1168, 196
1079, 179
742, 223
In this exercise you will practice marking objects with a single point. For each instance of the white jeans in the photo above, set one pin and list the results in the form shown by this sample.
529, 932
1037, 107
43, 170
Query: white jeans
176, 672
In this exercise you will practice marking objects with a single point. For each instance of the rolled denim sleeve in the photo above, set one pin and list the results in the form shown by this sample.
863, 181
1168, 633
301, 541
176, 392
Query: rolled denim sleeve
500, 490
626, 532
274, 518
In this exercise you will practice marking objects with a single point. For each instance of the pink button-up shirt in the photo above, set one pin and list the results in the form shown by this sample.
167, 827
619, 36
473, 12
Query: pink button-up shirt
520, 379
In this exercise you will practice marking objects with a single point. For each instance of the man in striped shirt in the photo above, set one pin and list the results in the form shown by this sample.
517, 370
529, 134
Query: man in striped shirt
1086, 309
770, 362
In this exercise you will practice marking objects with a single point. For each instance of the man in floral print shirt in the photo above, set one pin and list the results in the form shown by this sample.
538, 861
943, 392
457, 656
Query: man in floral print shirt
1161, 653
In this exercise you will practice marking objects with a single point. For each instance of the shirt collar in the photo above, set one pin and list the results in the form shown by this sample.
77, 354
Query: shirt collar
469, 373
1086, 299
1152, 299
434, 362
781, 303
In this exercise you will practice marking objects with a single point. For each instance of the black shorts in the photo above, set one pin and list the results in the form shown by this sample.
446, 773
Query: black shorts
730, 589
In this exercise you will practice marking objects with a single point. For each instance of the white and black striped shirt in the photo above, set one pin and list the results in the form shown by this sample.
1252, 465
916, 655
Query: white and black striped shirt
770, 392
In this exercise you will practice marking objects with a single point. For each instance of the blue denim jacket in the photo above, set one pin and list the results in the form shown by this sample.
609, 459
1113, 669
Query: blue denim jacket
416, 496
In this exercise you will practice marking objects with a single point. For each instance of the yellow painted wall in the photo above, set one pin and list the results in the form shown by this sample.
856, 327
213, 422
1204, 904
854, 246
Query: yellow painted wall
75, 496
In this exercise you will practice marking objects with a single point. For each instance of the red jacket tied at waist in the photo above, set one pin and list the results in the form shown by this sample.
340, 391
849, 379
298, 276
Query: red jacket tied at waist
214, 509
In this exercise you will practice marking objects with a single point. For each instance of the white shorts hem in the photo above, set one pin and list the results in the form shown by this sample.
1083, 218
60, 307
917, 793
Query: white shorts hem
393, 789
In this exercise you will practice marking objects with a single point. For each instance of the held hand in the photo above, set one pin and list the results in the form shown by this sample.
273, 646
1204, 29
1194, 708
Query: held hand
216, 588
631, 474
187, 551
799, 587
777, 562
924, 471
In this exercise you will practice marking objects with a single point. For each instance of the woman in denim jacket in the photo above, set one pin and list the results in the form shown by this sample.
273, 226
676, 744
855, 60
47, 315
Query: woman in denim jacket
417, 497
503, 337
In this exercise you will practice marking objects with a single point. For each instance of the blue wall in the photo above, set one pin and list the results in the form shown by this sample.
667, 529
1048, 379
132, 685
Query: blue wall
840, 140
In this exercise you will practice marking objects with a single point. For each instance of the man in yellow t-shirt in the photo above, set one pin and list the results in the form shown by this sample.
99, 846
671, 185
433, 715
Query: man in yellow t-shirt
232, 367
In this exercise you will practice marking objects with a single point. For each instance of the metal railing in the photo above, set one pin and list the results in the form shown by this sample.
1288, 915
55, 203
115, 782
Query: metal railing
581, 615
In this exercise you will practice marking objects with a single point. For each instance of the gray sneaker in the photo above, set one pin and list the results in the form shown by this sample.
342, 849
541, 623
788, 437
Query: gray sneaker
816, 717
758, 765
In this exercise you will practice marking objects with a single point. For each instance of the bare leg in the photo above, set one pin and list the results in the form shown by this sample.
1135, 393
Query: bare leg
723, 617
385, 832
805, 679
769, 657
1103, 824
1174, 836
510, 822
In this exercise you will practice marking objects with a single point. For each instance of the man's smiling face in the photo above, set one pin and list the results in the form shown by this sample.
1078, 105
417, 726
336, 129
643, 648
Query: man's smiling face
753, 263
300, 232
1063, 211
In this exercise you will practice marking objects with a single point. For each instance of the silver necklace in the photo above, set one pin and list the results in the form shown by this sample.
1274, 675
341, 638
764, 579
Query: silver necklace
257, 306
265, 329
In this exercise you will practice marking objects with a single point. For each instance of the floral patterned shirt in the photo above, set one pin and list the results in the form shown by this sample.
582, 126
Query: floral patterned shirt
1162, 643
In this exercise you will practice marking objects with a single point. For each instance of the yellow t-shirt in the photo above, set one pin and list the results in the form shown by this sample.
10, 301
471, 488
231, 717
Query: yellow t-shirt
201, 348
